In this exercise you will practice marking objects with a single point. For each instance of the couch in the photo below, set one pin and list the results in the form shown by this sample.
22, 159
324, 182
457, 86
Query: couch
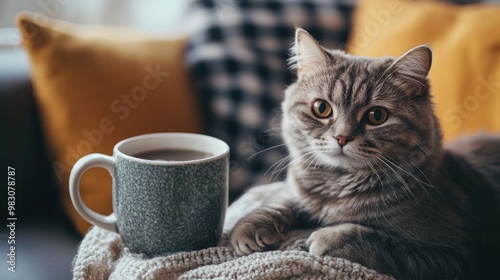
236, 70
45, 239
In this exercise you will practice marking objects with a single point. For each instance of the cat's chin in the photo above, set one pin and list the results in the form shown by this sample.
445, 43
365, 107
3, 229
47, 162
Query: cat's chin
342, 161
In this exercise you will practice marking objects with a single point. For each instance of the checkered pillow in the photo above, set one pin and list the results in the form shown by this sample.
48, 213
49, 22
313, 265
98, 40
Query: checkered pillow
238, 62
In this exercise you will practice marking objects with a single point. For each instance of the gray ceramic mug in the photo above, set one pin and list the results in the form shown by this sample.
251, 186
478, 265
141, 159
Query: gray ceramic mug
160, 206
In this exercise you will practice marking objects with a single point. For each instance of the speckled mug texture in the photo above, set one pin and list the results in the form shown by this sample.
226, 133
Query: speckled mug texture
162, 209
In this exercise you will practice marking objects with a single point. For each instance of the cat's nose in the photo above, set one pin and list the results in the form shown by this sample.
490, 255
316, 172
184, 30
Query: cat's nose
343, 139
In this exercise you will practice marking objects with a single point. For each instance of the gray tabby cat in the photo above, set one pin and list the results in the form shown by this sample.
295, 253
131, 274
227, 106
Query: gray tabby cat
369, 171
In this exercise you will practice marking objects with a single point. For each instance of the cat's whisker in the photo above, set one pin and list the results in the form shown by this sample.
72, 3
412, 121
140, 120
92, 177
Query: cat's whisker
309, 158
383, 185
367, 162
318, 161
283, 165
396, 175
418, 168
276, 173
312, 160
408, 162
265, 150
423, 174
279, 163
420, 182
316, 158
279, 166
282, 162
405, 185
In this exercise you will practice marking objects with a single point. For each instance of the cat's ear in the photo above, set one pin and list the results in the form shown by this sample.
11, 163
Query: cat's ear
413, 67
308, 54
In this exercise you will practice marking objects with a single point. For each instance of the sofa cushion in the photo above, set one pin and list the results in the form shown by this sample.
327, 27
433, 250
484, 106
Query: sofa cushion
98, 85
465, 75
238, 62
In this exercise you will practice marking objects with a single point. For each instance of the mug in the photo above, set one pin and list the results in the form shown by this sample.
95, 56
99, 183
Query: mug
162, 206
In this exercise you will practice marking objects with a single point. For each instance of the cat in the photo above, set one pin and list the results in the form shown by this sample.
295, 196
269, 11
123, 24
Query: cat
369, 172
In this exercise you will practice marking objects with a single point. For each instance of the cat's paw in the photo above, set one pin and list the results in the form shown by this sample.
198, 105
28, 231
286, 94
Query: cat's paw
256, 233
332, 240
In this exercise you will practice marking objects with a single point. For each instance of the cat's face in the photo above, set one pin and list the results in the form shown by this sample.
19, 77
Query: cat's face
354, 113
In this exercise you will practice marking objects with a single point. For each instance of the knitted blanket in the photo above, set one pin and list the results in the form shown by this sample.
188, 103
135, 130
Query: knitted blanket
101, 255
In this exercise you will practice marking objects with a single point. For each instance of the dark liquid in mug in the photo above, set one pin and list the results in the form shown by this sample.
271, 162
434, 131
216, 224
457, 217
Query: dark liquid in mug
173, 155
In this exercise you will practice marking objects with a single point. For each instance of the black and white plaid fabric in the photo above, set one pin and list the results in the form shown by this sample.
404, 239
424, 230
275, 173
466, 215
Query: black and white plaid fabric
238, 62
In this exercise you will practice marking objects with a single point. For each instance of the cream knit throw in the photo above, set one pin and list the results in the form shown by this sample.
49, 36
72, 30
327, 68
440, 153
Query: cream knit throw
101, 255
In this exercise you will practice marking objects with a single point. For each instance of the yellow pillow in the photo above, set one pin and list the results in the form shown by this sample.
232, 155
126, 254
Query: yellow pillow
465, 73
98, 85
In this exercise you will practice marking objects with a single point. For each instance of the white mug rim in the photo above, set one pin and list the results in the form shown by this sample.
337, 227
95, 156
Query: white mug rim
221, 151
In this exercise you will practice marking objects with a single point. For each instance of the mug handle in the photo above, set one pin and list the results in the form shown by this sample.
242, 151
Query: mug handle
82, 165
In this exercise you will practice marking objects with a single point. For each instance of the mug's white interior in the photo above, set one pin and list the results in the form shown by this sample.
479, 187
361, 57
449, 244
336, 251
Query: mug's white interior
182, 141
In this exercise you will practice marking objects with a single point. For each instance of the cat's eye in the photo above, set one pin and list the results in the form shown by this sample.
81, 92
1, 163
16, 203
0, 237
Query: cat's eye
376, 115
321, 109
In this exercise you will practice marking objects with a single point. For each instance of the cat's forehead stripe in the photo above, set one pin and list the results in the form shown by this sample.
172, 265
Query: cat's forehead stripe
351, 87
338, 86
346, 96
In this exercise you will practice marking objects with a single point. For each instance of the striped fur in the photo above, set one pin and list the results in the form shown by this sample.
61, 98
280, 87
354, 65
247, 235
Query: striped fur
392, 198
